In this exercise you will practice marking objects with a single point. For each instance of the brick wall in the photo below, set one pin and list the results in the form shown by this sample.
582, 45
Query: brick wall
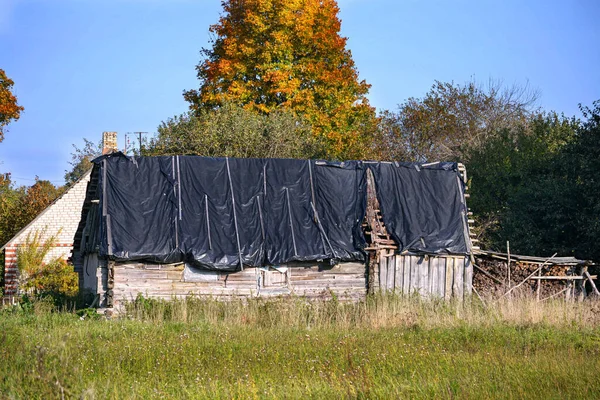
63, 215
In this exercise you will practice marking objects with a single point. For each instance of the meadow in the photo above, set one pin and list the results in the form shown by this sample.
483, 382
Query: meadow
382, 347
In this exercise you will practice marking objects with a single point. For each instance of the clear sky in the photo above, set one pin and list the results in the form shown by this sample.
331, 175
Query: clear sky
83, 66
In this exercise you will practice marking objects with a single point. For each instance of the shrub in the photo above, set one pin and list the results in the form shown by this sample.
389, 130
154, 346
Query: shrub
54, 279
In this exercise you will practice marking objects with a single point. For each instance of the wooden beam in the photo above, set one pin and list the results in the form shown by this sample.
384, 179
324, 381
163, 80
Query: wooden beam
591, 279
564, 278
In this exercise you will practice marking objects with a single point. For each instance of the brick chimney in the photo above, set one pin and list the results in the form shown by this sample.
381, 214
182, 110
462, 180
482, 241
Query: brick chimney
109, 142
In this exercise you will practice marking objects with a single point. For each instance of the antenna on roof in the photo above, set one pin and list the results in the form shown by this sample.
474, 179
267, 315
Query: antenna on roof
140, 139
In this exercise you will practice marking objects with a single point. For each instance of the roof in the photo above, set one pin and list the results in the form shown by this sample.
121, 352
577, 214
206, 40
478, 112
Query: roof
83, 177
224, 213
532, 259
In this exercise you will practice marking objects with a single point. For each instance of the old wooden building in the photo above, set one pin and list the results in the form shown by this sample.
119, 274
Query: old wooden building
169, 227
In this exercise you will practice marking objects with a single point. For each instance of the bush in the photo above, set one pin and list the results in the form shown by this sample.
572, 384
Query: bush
54, 279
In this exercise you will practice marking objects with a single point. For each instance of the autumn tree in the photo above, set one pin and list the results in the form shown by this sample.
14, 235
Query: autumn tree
20, 205
9, 109
272, 54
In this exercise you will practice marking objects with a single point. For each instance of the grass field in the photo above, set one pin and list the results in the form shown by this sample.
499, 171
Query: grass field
384, 347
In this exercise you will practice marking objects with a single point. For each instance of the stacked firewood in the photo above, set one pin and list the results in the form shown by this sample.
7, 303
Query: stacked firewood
490, 277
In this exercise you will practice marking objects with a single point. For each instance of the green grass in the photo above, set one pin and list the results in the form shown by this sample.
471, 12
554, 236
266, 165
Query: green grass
380, 348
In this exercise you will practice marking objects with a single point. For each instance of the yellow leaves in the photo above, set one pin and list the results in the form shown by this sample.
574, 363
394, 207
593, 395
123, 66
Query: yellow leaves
9, 109
287, 53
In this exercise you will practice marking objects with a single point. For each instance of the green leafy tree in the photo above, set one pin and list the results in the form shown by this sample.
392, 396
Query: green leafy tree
232, 131
580, 161
520, 191
81, 160
274, 54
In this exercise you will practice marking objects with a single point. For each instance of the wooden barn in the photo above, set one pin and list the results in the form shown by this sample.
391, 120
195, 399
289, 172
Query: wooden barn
169, 227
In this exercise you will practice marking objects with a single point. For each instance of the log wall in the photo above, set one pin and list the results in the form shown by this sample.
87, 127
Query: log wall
429, 276
345, 280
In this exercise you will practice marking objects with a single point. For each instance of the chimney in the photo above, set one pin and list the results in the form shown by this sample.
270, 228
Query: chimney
109, 142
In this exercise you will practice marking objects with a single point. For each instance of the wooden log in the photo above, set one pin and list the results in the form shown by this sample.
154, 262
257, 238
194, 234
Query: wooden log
563, 278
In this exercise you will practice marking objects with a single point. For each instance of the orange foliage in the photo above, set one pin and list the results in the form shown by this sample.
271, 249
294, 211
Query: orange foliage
269, 54
9, 109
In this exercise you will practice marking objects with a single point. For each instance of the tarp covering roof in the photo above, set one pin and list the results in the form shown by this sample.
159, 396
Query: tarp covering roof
223, 213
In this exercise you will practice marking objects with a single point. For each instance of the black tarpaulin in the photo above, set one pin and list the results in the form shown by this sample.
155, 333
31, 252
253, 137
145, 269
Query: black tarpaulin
423, 206
341, 211
291, 231
226, 213
138, 206
222, 214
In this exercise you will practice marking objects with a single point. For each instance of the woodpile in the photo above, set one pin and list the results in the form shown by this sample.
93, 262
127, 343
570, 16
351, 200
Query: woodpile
541, 277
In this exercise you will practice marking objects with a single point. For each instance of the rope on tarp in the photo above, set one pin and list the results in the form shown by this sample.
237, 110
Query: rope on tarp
237, 233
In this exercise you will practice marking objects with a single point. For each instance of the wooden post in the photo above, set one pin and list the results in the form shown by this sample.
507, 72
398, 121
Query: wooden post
580, 284
594, 288
568, 291
508, 261
539, 284
110, 284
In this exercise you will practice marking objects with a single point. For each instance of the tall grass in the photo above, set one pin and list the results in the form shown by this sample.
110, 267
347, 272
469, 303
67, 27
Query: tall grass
376, 311
383, 347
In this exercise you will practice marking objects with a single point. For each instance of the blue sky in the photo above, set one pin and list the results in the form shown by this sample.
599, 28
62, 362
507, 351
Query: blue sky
82, 67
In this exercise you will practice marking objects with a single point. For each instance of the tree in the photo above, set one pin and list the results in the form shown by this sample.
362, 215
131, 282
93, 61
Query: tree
20, 205
9, 109
451, 120
81, 160
520, 188
580, 161
232, 131
274, 54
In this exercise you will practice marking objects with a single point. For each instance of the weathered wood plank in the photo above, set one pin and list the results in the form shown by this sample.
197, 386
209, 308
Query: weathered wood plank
391, 272
415, 276
468, 277
441, 282
458, 279
449, 278
382, 270
406, 277
399, 273
423, 265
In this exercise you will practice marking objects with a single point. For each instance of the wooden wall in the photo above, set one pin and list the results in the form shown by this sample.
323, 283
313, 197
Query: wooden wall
439, 276
345, 280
